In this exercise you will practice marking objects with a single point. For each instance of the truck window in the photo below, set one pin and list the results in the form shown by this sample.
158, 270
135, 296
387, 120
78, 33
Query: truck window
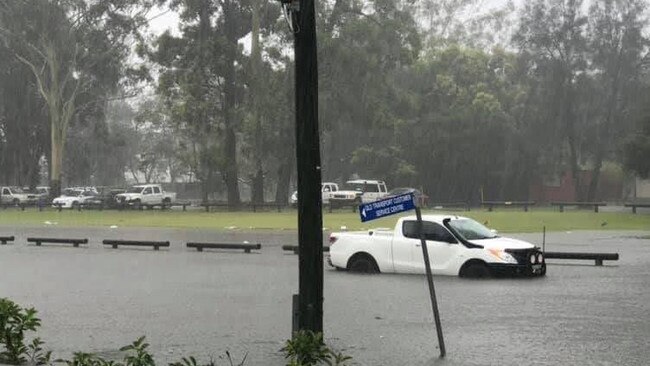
5, 191
382, 188
432, 231
147, 190
371, 188
156, 190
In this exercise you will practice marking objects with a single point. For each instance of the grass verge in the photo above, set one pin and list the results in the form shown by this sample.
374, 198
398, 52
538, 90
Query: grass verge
503, 221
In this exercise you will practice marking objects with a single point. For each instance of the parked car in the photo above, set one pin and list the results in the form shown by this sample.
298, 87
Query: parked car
359, 191
145, 195
457, 246
421, 198
106, 197
16, 196
73, 197
327, 190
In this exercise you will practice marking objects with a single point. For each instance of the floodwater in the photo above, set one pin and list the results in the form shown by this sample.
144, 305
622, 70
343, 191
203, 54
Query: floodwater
98, 299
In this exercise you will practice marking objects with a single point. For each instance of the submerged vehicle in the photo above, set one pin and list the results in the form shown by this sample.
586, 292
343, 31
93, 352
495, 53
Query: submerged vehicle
457, 246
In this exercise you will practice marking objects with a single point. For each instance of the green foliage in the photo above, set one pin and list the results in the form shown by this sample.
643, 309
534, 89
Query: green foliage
14, 323
307, 348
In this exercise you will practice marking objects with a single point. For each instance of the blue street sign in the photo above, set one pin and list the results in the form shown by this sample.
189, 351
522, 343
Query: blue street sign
390, 206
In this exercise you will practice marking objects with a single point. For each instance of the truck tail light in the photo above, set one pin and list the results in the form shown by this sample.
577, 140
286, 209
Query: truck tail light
333, 239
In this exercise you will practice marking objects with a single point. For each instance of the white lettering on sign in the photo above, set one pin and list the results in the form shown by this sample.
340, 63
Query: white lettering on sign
389, 210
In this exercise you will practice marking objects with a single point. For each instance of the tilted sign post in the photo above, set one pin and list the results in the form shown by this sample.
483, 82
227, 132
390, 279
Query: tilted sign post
395, 205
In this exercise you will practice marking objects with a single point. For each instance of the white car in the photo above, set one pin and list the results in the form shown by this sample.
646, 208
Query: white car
457, 246
72, 198
327, 189
359, 191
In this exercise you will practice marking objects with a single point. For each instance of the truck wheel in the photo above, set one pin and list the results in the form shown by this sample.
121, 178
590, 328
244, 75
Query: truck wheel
15, 202
74, 205
166, 203
363, 263
474, 269
137, 205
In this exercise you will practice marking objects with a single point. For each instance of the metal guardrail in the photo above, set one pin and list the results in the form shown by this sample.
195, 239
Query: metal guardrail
634, 205
579, 204
5, 239
492, 204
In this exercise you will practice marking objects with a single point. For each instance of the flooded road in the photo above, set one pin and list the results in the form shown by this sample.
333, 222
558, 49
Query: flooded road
189, 303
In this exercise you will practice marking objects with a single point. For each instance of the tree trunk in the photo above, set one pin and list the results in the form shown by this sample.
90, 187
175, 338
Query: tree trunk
230, 144
56, 163
258, 185
283, 181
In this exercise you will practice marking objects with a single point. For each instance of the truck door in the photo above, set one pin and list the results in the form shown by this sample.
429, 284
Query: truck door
370, 192
441, 245
147, 195
6, 195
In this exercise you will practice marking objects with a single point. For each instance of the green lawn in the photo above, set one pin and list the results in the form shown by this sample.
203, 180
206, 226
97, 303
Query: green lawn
503, 221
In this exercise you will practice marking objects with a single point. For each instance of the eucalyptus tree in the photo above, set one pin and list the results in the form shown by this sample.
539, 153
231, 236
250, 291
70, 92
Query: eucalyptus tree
76, 51
551, 36
618, 51
201, 82
362, 46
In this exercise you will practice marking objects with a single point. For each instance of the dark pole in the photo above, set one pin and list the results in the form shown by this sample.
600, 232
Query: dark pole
432, 289
310, 219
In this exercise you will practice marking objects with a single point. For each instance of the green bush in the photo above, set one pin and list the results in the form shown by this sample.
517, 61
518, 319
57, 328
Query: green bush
14, 323
308, 349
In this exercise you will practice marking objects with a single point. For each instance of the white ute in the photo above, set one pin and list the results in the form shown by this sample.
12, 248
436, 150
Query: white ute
359, 191
145, 195
458, 246
16, 196
327, 190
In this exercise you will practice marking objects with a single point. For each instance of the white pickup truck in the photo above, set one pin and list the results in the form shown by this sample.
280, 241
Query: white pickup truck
327, 190
146, 195
16, 196
359, 191
457, 246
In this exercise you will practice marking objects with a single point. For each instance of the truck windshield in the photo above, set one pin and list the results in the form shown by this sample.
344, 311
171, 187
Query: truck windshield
471, 230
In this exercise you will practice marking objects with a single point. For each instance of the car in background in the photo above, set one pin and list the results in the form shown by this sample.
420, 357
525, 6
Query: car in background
73, 197
327, 190
106, 198
359, 191
16, 196
145, 195
421, 198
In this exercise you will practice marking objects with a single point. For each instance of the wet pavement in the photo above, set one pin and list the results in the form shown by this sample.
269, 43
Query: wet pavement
189, 303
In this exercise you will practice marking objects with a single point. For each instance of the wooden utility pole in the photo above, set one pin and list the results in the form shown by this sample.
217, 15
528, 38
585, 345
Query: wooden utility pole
310, 218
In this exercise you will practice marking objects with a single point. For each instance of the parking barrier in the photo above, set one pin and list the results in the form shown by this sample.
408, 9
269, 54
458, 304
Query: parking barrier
296, 248
155, 244
75, 242
246, 247
598, 257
